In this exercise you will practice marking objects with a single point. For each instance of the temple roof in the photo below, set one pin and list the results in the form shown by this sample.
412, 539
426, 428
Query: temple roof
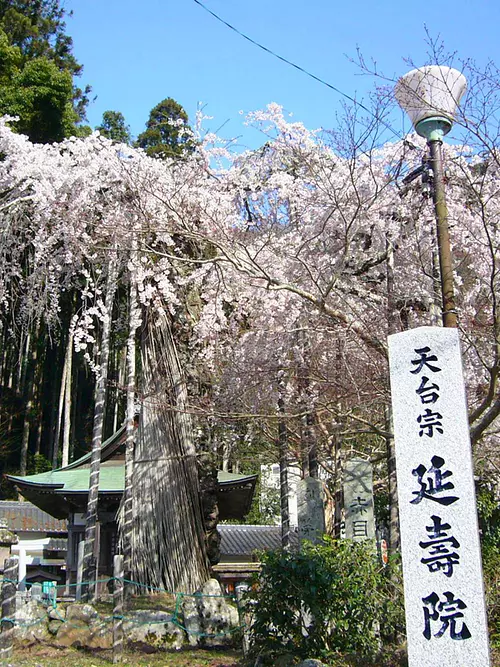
59, 492
243, 540
25, 517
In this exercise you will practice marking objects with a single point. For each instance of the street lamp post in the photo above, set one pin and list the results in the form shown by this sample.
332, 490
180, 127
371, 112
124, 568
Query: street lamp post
430, 96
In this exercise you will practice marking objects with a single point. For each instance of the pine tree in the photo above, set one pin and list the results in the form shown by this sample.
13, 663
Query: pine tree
37, 67
167, 132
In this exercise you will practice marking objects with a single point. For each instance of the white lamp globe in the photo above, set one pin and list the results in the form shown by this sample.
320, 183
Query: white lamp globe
430, 96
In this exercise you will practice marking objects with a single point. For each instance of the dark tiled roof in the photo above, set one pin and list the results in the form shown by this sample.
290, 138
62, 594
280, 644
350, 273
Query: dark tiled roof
243, 540
23, 516
56, 544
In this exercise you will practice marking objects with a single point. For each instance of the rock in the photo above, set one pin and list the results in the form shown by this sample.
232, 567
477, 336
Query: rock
208, 617
31, 623
83, 613
101, 635
311, 662
54, 626
57, 613
73, 633
154, 628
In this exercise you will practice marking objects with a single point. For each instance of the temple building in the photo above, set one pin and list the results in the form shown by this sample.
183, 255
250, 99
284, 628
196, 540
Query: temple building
63, 494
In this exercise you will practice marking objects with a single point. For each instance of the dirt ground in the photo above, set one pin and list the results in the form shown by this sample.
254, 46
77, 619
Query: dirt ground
42, 655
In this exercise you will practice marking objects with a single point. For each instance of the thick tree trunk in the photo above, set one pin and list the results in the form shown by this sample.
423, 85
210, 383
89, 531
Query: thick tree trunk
90, 556
168, 548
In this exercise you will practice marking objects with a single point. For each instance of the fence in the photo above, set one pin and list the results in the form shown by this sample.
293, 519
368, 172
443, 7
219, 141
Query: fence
8, 620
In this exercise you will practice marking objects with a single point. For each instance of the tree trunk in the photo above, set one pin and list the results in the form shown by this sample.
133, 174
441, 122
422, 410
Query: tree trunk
90, 555
283, 461
126, 510
168, 547
29, 390
67, 397
64, 410
392, 327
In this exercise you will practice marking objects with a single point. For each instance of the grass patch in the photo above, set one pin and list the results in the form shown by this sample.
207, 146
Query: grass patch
41, 655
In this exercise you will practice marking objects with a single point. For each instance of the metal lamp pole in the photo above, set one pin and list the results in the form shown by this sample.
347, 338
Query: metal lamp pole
443, 233
430, 95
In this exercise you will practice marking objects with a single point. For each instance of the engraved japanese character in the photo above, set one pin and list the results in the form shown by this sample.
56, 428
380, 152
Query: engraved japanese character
360, 528
427, 391
448, 612
430, 421
359, 506
424, 360
440, 547
432, 487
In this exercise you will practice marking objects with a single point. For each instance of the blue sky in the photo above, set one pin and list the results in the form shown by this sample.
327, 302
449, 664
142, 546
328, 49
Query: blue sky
137, 52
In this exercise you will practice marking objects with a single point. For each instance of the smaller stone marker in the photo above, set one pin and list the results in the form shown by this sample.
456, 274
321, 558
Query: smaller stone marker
358, 500
245, 617
9, 587
310, 509
7, 539
444, 597
36, 592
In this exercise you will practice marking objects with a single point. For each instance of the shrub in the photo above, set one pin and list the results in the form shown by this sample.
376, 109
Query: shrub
489, 522
330, 598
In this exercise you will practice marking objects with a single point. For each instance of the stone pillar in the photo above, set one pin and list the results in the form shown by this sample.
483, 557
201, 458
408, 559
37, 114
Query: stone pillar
7, 539
22, 569
310, 509
358, 500
444, 597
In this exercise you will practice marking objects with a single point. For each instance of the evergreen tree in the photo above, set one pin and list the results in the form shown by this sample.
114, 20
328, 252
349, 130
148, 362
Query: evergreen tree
113, 127
37, 69
167, 132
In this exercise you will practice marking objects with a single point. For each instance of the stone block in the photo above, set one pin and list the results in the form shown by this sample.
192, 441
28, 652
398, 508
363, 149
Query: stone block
73, 633
84, 613
154, 628
209, 618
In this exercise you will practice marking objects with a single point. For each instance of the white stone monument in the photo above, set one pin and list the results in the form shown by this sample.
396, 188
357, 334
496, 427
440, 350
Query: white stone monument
358, 500
444, 596
310, 509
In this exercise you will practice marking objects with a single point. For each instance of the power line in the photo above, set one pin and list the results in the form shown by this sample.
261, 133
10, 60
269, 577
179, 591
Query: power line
301, 69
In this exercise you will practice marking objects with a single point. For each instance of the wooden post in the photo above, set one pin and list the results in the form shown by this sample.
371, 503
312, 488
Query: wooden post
10, 574
79, 570
118, 609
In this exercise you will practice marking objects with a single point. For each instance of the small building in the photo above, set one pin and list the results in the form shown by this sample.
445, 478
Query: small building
63, 494
241, 545
41, 545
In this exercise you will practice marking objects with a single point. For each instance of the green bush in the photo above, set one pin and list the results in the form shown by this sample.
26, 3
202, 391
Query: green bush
330, 598
489, 523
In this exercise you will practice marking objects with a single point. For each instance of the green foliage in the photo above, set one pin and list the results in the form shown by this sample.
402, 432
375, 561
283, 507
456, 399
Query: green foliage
489, 523
113, 127
36, 71
265, 507
167, 132
41, 96
37, 29
328, 599
38, 463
